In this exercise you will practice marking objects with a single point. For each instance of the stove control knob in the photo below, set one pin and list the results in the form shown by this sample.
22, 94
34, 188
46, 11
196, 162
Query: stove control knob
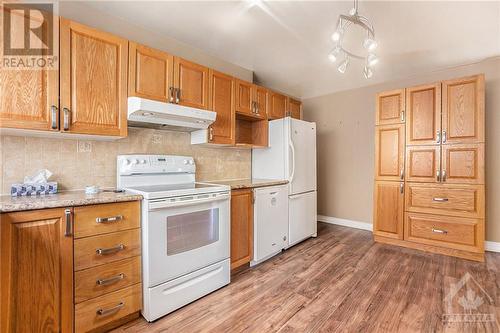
135, 161
186, 162
143, 161
126, 162
191, 162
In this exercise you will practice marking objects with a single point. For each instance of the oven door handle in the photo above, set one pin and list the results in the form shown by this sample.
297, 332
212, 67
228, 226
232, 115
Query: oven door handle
154, 205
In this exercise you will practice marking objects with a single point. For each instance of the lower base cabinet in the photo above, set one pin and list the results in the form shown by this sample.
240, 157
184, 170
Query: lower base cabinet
388, 209
41, 255
241, 227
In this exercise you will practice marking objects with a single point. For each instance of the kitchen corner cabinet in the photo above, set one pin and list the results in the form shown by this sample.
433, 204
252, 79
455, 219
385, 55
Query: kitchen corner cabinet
36, 272
277, 105
294, 108
241, 227
222, 131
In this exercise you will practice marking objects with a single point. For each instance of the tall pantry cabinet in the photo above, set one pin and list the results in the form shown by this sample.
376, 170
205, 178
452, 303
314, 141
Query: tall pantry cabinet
429, 168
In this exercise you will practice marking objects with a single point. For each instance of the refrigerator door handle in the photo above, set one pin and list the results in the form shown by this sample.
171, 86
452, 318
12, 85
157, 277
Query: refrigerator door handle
292, 149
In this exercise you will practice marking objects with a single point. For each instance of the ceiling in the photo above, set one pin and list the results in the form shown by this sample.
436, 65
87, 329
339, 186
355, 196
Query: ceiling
286, 43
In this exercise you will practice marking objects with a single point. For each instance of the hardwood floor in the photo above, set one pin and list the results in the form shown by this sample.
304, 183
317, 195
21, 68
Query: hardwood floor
342, 281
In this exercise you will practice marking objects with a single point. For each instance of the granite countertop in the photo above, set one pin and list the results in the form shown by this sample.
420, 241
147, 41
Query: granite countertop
250, 183
63, 199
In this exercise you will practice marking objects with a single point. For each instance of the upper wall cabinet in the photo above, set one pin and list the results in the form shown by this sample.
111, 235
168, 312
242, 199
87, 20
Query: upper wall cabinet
29, 98
251, 100
423, 107
93, 81
192, 83
294, 108
261, 96
277, 105
390, 107
150, 73
221, 102
463, 110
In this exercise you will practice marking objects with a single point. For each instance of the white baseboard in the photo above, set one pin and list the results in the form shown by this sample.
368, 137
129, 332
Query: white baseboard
492, 246
488, 246
345, 222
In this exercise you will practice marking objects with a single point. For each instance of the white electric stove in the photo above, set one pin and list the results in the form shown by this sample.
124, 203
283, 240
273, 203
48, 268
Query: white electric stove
185, 230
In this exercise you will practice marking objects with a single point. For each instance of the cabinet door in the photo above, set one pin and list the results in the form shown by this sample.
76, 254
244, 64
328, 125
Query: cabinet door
221, 102
423, 108
463, 164
260, 99
295, 108
37, 272
28, 97
277, 105
463, 110
390, 107
388, 209
423, 163
150, 73
244, 97
389, 152
192, 80
93, 81
241, 227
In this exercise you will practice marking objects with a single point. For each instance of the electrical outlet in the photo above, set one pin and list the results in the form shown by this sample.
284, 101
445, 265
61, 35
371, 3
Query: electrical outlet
156, 139
84, 146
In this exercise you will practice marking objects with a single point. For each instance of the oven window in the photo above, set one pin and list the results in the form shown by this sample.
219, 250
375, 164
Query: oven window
192, 230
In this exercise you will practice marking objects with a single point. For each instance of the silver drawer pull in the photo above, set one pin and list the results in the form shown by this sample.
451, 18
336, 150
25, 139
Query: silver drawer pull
439, 231
109, 219
111, 280
104, 312
110, 250
440, 199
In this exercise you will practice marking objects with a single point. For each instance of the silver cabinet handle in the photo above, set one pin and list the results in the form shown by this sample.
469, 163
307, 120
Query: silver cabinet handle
177, 95
67, 118
443, 175
402, 174
257, 108
402, 116
110, 250
111, 280
402, 188
440, 199
439, 231
210, 134
109, 219
104, 312
438, 176
443, 137
171, 94
438, 135
55, 117
69, 222
254, 107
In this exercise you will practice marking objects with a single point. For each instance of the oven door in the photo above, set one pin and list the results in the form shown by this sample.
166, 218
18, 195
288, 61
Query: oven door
185, 234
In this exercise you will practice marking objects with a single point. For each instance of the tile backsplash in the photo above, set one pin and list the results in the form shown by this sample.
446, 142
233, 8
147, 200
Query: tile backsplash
77, 163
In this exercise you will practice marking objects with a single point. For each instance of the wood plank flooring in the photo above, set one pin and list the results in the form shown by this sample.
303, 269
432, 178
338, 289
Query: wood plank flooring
342, 281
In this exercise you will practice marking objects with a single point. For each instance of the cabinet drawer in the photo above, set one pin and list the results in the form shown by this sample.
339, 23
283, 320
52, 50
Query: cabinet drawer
106, 218
446, 231
98, 250
97, 281
99, 311
452, 200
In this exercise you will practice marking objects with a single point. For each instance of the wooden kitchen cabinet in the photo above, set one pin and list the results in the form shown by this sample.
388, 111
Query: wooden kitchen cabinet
150, 73
260, 98
390, 107
222, 131
93, 80
463, 164
244, 97
423, 164
36, 272
388, 209
423, 107
277, 105
241, 227
294, 108
192, 83
463, 110
389, 152
29, 98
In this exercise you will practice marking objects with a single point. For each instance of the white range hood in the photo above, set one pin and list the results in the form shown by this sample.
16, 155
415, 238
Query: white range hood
153, 114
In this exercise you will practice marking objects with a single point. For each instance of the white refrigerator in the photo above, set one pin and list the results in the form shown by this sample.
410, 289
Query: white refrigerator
292, 156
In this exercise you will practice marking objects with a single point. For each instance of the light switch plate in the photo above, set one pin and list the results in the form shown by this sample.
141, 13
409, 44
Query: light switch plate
84, 146
156, 139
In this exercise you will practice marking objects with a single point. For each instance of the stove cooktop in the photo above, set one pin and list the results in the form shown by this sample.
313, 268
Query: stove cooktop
176, 190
